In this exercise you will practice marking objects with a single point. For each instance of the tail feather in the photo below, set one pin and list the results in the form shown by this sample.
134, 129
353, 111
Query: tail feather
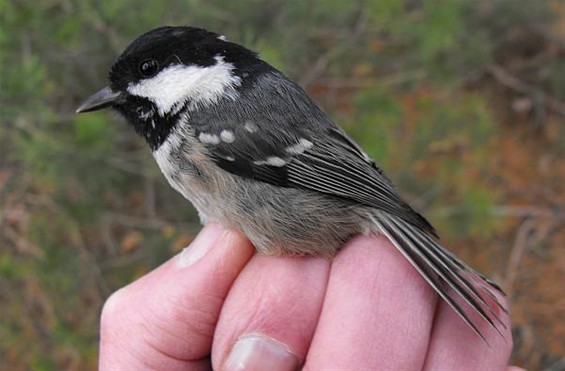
435, 256
485, 283
437, 265
465, 267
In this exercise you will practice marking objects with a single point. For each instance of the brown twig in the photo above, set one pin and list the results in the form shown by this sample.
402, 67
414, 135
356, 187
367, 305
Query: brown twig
122, 261
145, 223
521, 243
386, 80
102, 27
324, 60
529, 211
507, 79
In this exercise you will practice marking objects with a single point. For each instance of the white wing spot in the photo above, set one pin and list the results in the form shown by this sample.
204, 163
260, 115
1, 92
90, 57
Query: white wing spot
276, 161
300, 147
272, 161
208, 138
230, 158
251, 127
222, 37
227, 136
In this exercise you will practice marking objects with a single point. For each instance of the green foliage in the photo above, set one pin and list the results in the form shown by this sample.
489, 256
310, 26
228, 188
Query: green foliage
456, 144
385, 13
473, 215
92, 133
557, 78
441, 28
375, 128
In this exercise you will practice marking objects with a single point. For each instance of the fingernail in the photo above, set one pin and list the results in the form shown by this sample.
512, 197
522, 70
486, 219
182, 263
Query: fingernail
200, 246
258, 352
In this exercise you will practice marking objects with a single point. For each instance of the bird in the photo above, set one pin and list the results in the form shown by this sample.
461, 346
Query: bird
252, 151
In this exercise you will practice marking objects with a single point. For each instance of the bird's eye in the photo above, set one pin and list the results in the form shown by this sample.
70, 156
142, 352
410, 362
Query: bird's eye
149, 67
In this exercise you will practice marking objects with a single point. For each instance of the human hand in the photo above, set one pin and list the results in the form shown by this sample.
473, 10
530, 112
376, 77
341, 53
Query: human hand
218, 305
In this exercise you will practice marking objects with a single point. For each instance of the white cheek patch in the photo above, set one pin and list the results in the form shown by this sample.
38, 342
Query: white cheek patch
171, 88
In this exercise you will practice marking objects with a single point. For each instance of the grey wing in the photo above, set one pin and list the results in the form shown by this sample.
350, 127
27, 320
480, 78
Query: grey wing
275, 133
325, 161
336, 165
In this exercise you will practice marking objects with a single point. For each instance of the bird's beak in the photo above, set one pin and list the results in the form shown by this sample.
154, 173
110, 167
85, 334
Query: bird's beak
101, 99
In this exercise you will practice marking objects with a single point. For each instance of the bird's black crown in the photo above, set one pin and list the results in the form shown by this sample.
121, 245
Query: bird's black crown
177, 45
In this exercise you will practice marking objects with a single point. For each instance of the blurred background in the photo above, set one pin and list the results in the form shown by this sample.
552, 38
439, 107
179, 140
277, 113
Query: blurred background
461, 102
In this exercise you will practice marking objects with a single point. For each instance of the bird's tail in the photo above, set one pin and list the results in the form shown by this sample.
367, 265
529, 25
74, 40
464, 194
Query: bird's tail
440, 267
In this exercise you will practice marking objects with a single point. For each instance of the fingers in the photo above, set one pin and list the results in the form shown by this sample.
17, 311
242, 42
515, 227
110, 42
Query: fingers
270, 314
166, 319
377, 313
370, 310
454, 346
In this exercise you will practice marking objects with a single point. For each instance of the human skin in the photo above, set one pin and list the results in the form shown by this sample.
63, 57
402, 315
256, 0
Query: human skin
219, 305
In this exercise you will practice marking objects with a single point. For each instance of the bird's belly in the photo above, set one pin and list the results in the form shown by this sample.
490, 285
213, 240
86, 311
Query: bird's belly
277, 220
190, 176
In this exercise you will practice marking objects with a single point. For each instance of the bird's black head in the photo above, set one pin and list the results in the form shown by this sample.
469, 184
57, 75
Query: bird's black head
170, 70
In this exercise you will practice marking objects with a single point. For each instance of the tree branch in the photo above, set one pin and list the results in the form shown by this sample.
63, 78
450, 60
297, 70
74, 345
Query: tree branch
507, 79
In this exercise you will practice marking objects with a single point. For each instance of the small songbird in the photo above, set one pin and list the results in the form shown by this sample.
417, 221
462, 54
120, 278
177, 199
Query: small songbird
252, 151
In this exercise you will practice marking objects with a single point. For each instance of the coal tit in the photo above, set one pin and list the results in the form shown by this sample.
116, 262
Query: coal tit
252, 151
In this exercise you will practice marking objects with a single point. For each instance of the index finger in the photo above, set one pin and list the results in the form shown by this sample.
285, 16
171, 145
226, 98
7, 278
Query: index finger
377, 313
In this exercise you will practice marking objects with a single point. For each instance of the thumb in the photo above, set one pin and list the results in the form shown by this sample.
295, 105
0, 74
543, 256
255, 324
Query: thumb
166, 319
